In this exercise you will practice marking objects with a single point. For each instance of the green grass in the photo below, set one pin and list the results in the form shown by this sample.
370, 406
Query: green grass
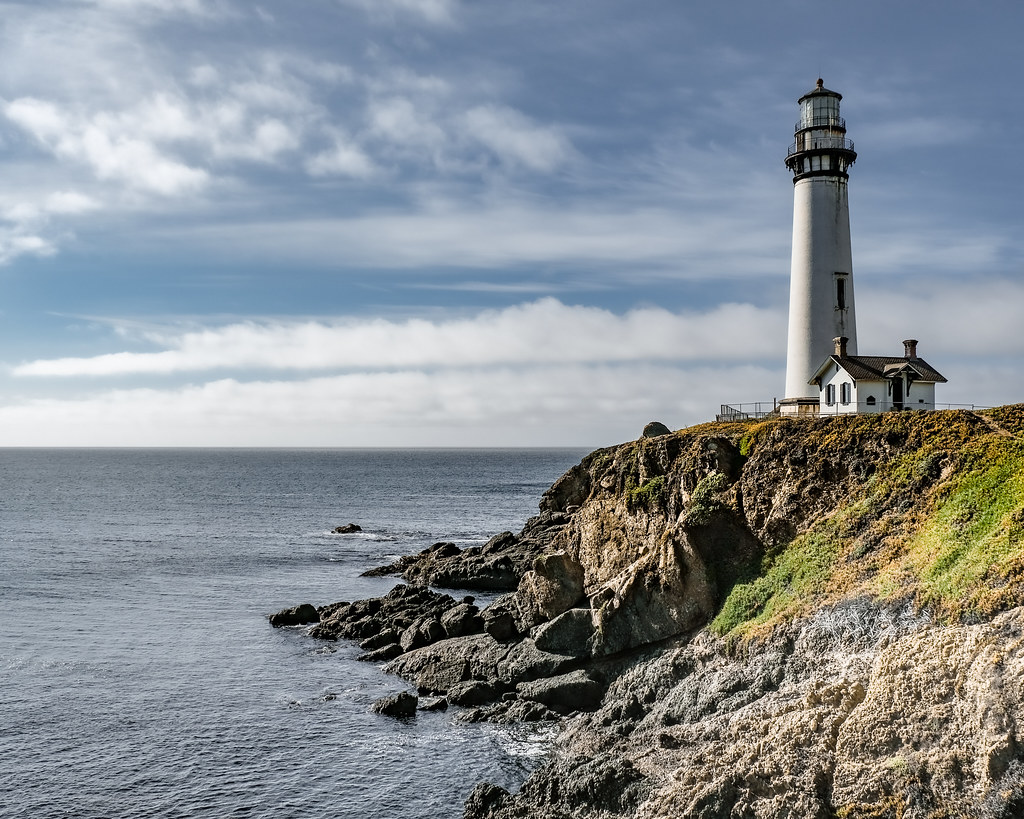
975, 539
796, 574
646, 494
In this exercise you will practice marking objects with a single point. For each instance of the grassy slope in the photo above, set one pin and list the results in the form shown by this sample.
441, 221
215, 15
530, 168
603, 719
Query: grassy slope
941, 522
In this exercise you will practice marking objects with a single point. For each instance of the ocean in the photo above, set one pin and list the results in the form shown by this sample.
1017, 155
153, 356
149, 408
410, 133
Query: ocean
139, 676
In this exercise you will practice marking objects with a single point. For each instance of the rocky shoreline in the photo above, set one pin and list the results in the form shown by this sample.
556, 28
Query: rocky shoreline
638, 610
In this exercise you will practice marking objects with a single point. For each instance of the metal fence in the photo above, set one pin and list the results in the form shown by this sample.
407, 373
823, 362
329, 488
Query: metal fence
765, 409
747, 412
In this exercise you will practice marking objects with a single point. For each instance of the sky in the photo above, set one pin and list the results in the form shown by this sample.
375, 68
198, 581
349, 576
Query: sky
480, 223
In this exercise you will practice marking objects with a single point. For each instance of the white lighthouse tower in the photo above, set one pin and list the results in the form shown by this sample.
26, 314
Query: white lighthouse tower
821, 277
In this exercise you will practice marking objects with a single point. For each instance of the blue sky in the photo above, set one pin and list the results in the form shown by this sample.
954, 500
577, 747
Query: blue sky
444, 222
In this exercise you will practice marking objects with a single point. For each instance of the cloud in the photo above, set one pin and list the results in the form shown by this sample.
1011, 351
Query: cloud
16, 243
554, 405
343, 158
111, 152
433, 11
515, 138
166, 6
542, 333
977, 317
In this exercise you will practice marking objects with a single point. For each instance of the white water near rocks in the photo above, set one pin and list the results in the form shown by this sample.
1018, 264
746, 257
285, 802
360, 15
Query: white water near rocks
139, 676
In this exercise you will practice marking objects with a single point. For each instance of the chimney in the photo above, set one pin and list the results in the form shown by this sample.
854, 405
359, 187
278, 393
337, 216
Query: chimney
840, 343
910, 348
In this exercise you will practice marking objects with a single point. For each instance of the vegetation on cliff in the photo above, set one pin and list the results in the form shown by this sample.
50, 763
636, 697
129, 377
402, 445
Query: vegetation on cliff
938, 516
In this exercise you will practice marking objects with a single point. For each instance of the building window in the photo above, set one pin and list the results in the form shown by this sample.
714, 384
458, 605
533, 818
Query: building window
830, 394
844, 392
871, 401
840, 291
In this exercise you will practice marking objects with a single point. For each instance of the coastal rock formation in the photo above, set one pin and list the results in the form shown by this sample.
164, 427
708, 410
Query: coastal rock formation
402, 704
496, 566
814, 618
295, 616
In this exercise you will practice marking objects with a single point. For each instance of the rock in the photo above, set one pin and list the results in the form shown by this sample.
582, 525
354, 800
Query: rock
461, 620
500, 619
525, 662
423, 632
402, 704
438, 667
433, 704
347, 529
575, 691
656, 429
570, 633
553, 586
383, 654
296, 616
484, 800
379, 640
499, 543
473, 692
667, 591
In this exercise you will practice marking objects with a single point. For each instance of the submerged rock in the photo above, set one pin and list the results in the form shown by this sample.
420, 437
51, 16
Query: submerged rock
402, 704
295, 616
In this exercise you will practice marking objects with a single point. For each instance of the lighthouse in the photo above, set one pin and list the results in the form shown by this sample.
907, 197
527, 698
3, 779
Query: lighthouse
821, 305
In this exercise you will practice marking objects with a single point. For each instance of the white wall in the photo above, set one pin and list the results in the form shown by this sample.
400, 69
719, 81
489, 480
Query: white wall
821, 248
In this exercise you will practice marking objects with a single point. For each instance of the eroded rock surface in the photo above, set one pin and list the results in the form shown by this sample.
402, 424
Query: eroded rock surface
838, 700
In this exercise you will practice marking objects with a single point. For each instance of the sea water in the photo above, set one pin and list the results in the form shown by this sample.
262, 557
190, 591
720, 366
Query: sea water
139, 676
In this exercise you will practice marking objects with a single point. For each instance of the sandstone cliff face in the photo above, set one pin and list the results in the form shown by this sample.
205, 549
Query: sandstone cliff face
855, 711
835, 561
814, 618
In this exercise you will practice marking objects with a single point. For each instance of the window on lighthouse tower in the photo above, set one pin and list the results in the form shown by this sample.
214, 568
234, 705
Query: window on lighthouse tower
840, 291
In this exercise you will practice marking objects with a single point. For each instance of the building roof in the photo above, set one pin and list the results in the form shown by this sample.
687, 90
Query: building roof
820, 89
880, 367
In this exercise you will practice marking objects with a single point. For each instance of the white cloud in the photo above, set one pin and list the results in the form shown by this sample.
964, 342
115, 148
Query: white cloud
105, 147
515, 138
163, 6
978, 317
70, 202
433, 11
343, 159
555, 405
545, 332
17, 243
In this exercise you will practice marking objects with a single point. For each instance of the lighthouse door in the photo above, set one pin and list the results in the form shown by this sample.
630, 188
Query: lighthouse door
897, 393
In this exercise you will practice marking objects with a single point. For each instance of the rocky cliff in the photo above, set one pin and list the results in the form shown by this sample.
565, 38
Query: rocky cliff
809, 618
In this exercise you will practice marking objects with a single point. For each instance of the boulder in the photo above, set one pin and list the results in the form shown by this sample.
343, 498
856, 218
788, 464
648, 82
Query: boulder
473, 692
655, 429
485, 800
569, 633
501, 619
398, 705
381, 655
379, 640
347, 529
423, 632
555, 585
525, 662
295, 616
433, 704
461, 620
438, 667
575, 691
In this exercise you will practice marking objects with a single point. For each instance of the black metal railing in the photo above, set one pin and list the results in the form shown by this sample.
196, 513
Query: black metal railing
747, 412
820, 122
821, 144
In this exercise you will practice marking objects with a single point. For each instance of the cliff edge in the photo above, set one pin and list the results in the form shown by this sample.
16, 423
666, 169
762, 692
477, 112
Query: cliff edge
814, 618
